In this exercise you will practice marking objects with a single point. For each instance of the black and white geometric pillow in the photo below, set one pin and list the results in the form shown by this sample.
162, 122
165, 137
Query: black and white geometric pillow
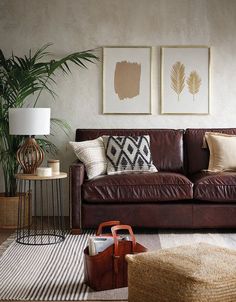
127, 154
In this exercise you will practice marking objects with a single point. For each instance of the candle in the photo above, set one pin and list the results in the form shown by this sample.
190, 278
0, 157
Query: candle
45, 171
55, 165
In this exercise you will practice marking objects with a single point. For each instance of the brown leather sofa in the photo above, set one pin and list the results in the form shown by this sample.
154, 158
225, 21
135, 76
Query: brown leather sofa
180, 195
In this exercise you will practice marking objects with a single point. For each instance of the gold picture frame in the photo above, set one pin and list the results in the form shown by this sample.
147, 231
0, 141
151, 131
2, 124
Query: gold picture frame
185, 80
127, 79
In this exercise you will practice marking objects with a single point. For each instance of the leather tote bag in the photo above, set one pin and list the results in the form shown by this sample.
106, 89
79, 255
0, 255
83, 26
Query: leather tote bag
108, 269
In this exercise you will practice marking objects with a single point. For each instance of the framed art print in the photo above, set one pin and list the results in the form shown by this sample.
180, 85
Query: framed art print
127, 80
185, 79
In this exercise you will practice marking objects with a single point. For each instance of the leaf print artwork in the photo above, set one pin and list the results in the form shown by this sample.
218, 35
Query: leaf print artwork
194, 83
185, 79
178, 77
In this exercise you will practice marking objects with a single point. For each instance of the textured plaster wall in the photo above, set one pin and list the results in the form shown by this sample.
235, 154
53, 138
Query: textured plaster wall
74, 25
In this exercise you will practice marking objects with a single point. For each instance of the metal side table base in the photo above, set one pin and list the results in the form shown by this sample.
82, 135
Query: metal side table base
41, 196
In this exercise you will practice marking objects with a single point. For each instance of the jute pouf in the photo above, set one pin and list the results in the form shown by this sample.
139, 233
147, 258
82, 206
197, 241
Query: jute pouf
196, 273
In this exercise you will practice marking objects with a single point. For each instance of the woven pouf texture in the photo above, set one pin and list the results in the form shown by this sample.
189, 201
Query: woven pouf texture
196, 273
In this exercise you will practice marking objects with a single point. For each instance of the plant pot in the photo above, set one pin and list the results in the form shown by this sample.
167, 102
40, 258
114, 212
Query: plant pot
9, 211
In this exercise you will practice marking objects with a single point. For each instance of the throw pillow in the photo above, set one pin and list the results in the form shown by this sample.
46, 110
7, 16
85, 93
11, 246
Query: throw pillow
128, 154
204, 142
92, 154
222, 152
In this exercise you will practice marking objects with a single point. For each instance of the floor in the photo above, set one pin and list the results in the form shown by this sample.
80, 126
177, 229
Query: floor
4, 234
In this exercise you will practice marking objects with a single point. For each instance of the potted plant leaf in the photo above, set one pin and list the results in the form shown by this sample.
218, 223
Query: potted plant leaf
23, 79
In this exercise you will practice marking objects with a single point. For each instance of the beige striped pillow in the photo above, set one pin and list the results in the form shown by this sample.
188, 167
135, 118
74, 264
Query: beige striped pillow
92, 154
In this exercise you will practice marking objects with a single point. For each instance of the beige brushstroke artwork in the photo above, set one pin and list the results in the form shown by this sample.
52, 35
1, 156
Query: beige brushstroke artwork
127, 80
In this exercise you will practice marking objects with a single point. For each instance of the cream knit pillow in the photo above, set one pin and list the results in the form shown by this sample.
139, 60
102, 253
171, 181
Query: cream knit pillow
222, 151
92, 154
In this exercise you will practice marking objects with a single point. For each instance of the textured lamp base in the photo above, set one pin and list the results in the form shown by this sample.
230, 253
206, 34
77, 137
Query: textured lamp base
30, 156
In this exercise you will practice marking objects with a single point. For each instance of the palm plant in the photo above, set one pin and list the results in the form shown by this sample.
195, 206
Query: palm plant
21, 78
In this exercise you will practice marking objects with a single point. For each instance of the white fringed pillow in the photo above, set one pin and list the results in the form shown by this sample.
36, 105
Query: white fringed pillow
92, 154
222, 149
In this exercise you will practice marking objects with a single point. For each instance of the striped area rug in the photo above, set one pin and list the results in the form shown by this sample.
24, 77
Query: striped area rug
53, 272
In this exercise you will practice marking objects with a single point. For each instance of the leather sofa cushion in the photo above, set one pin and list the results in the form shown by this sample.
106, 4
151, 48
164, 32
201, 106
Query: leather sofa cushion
193, 145
166, 144
215, 187
145, 187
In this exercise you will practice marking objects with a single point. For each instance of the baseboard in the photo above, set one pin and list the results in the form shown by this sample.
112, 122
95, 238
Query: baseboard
76, 231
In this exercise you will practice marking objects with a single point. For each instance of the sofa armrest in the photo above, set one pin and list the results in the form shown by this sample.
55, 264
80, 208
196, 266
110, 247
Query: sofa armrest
77, 175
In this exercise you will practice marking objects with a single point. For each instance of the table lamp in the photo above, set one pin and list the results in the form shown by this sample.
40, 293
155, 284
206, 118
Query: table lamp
29, 122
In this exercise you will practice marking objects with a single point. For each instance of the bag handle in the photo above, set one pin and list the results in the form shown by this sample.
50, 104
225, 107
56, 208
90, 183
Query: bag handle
114, 230
106, 224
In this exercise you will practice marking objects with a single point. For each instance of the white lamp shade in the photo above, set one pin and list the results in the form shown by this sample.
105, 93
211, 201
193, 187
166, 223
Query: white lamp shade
29, 121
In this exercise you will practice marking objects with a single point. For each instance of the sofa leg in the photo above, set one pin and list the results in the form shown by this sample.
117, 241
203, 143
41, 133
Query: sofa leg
76, 231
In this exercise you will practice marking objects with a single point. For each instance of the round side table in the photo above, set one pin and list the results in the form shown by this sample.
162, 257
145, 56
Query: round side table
40, 211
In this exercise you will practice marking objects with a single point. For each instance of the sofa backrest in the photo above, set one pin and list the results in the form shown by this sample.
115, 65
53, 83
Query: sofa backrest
166, 144
197, 158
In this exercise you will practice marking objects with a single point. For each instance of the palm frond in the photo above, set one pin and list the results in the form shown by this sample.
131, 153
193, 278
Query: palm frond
47, 146
41, 52
178, 77
62, 124
78, 58
194, 82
